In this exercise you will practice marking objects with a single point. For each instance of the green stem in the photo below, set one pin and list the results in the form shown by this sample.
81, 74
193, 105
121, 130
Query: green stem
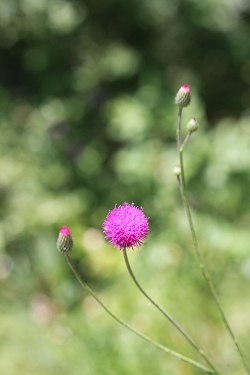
167, 315
126, 325
199, 256
186, 140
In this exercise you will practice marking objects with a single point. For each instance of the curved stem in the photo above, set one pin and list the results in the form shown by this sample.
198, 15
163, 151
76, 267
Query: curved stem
199, 256
167, 315
126, 325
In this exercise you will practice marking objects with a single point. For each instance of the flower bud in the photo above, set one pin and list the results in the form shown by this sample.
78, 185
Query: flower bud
192, 125
177, 171
65, 241
183, 96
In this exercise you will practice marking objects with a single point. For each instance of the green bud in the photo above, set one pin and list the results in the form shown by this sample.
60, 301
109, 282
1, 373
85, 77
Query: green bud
177, 170
192, 125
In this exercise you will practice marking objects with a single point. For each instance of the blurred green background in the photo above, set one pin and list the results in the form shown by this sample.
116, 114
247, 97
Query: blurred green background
88, 121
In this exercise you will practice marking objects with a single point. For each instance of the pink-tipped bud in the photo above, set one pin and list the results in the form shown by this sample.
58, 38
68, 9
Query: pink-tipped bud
183, 96
65, 241
192, 125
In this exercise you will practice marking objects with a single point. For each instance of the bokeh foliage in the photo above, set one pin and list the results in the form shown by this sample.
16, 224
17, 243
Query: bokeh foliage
88, 121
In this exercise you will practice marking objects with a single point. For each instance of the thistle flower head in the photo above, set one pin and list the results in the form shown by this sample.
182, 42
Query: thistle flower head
65, 241
183, 96
126, 226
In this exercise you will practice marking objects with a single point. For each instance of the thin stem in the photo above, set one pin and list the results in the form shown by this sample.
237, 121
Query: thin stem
178, 131
186, 140
126, 325
167, 315
199, 256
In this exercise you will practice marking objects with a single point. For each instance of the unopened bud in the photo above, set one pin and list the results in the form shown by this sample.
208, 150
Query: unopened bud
65, 241
183, 96
192, 125
177, 170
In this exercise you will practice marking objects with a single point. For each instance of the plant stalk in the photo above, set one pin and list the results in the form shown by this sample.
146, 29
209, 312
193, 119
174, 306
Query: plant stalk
126, 325
199, 256
168, 316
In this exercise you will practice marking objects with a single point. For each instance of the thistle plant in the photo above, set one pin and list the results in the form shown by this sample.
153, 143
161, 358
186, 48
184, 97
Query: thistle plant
127, 227
183, 99
65, 235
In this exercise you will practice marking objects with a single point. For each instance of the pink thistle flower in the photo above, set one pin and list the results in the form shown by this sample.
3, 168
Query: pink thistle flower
65, 241
126, 226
